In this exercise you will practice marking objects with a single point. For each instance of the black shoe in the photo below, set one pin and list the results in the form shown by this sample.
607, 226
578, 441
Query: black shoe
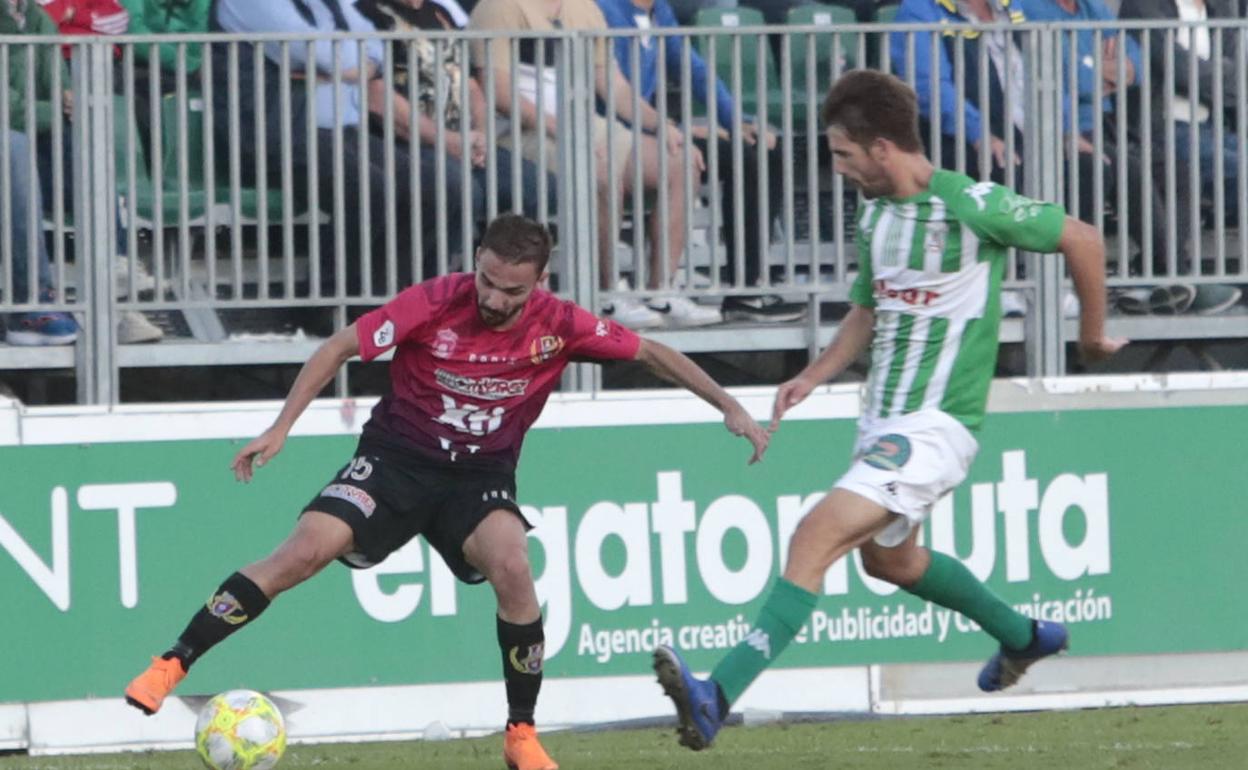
765, 308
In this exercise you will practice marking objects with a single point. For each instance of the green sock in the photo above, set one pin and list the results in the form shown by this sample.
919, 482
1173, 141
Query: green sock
949, 583
787, 608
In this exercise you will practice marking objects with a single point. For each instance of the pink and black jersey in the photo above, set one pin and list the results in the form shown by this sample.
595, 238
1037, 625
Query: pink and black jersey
463, 392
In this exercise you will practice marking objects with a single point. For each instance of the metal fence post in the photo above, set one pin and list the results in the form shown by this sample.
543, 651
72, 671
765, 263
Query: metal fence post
1046, 351
95, 218
577, 196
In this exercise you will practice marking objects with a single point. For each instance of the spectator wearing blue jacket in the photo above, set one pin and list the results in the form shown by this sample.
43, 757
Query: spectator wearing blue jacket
1090, 113
1005, 73
658, 14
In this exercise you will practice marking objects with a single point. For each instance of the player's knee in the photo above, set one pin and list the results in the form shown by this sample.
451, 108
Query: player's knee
880, 565
511, 571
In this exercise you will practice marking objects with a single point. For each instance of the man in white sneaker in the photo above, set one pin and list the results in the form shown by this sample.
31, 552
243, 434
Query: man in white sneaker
612, 139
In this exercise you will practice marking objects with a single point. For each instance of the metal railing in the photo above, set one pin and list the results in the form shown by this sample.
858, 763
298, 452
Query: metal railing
270, 180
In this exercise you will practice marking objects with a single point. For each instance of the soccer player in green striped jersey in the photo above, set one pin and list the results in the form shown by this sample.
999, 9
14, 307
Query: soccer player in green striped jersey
932, 247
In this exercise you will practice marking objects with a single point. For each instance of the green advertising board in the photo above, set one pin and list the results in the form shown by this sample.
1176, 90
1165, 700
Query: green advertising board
1126, 524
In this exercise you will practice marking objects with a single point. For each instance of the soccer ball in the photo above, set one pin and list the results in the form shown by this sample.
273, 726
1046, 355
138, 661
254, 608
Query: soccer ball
240, 730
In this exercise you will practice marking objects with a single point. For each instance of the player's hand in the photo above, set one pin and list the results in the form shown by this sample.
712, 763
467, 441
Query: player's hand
258, 451
789, 395
1101, 348
740, 423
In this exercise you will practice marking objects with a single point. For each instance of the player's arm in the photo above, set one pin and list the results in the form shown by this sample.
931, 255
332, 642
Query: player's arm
676, 367
1084, 250
853, 336
312, 379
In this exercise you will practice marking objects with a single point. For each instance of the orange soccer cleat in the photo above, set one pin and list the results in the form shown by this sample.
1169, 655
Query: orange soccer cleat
148, 690
522, 751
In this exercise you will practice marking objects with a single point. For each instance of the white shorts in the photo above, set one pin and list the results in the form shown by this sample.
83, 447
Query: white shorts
906, 464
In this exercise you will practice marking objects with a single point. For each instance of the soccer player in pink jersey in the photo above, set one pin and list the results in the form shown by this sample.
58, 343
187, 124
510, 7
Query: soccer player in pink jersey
475, 357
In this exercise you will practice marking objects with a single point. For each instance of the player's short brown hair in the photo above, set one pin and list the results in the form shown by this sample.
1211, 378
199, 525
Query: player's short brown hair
517, 239
869, 105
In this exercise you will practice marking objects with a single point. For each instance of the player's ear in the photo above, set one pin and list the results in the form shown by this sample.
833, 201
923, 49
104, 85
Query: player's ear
543, 280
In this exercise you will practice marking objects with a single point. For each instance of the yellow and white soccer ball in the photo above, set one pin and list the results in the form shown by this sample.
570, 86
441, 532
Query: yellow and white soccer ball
240, 730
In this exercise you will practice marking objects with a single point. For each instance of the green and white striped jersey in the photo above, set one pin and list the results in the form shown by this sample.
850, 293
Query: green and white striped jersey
931, 268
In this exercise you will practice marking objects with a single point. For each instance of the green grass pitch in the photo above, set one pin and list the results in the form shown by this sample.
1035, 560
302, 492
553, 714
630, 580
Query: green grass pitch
1211, 737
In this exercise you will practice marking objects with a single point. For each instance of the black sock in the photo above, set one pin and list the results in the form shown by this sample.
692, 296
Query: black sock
235, 604
523, 648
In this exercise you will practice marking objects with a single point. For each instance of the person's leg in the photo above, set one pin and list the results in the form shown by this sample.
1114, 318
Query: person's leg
32, 328
498, 549
840, 522
944, 580
25, 190
670, 199
318, 539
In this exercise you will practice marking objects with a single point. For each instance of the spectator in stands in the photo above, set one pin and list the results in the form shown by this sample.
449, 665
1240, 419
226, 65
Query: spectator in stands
1191, 111
410, 15
649, 14
1005, 72
1090, 113
87, 17
163, 17
545, 15
34, 327
23, 17
359, 84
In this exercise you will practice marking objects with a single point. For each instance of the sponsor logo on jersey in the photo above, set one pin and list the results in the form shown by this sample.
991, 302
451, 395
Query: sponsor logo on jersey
545, 348
531, 661
226, 607
889, 452
934, 240
921, 297
354, 495
444, 343
487, 388
601, 329
384, 335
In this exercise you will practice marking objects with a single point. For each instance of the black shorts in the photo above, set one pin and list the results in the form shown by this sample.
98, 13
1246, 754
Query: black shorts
388, 496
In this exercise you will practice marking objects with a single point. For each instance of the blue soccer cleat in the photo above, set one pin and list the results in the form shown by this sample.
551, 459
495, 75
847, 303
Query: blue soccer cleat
697, 700
1008, 666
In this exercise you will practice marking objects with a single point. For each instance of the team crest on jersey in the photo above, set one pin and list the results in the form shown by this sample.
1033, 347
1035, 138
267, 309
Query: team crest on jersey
444, 343
545, 348
934, 240
888, 453
228, 608
531, 662
384, 335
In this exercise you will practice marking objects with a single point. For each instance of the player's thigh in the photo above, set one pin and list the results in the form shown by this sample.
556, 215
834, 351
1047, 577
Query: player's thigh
379, 498
477, 527
838, 523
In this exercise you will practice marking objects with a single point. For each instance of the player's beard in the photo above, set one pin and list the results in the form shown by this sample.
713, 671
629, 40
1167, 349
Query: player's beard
494, 318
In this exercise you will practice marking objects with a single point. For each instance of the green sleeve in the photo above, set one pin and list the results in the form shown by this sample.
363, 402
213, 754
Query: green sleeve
138, 19
861, 292
999, 214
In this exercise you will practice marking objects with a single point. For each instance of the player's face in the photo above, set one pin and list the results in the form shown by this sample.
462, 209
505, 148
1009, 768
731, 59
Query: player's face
503, 288
856, 164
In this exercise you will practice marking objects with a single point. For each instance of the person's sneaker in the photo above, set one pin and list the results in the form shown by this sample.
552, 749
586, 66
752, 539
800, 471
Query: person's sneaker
522, 750
1171, 299
696, 700
631, 313
682, 311
1008, 666
766, 308
147, 691
38, 329
143, 279
134, 328
1213, 298
1013, 304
